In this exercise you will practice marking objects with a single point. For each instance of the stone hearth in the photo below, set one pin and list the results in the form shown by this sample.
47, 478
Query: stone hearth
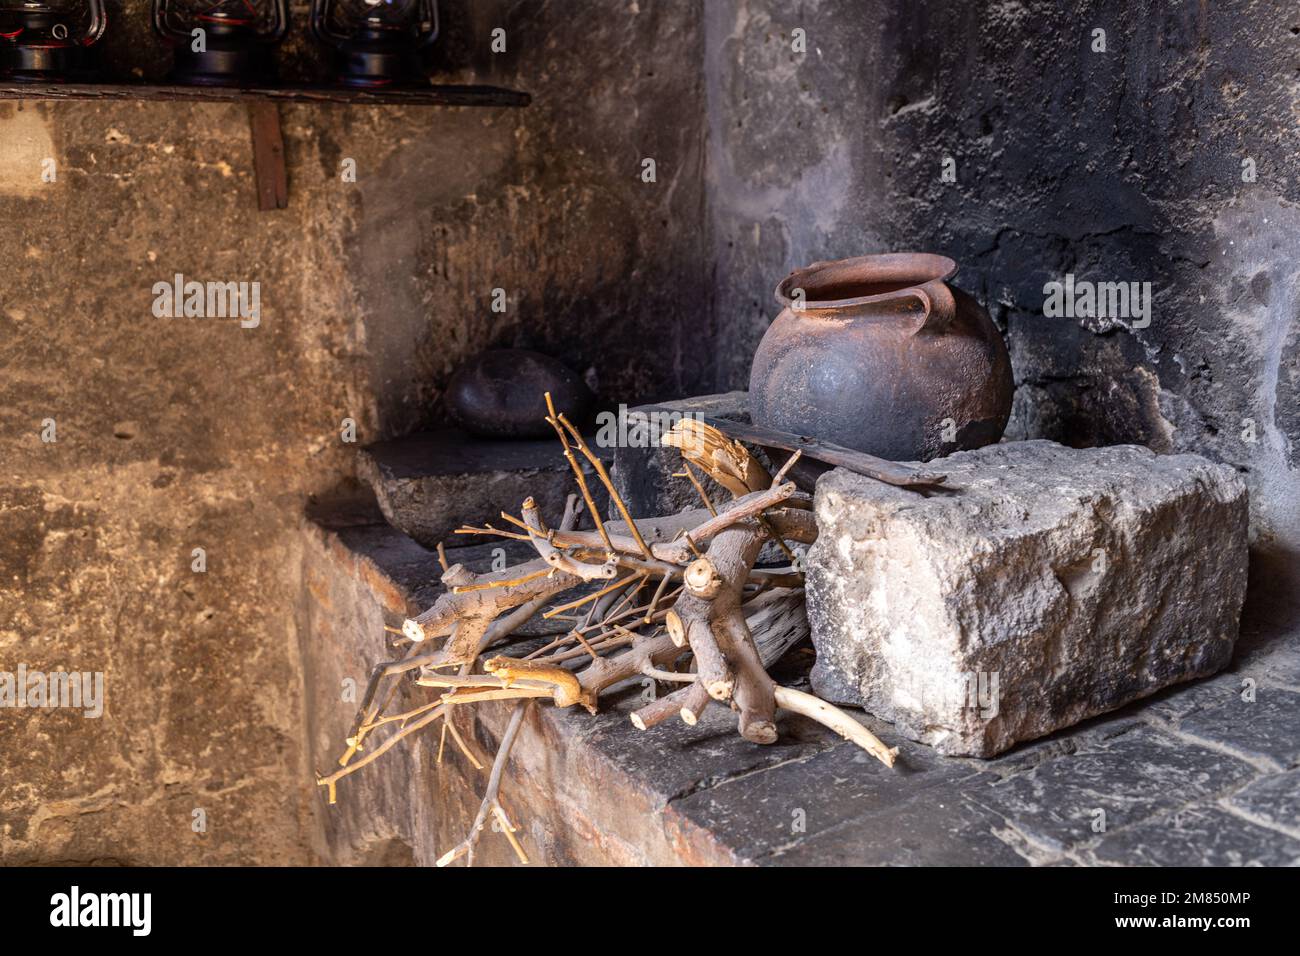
1206, 772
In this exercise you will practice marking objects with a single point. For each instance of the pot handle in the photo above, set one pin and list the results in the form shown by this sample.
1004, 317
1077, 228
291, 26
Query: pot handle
934, 307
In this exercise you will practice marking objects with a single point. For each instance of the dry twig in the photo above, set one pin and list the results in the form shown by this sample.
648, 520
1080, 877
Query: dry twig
491, 800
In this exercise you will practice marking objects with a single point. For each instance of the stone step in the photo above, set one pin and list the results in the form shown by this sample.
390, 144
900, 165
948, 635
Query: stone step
431, 483
596, 791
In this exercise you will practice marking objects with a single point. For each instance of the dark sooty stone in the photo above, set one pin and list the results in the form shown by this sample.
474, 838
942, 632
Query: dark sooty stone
501, 394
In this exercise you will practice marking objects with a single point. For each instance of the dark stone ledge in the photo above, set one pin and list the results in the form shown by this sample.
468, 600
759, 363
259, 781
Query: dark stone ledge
594, 790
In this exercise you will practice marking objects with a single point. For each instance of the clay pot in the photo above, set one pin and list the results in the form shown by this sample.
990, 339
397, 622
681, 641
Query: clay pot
881, 355
501, 394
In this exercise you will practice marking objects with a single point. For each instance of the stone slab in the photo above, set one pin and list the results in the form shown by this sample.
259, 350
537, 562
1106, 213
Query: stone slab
1088, 735
431, 483
1272, 801
939, 827
798, 799
593, 790
1173, 704
1132, 778
1200, 835
1050, 585
1261, 724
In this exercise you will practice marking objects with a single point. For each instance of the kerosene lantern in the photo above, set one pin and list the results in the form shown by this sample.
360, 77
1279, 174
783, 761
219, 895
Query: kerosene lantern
376, 42
47, 41
226, 43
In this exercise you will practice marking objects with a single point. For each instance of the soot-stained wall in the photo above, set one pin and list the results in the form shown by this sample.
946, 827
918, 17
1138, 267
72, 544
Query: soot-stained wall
1123, 165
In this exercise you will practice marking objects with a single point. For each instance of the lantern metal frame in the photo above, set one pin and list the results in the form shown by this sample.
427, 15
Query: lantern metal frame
46, 56
375, 55
237, 52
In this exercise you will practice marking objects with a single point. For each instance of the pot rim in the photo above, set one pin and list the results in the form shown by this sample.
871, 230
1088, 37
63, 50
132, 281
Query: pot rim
916, 268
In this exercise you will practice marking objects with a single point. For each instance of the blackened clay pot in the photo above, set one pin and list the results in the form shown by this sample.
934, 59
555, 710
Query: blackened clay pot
501, 393
880, 354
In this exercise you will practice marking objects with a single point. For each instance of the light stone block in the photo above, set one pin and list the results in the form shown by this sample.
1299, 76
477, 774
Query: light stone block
1052, 584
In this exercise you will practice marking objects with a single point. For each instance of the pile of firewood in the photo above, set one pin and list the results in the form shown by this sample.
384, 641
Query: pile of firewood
675, 598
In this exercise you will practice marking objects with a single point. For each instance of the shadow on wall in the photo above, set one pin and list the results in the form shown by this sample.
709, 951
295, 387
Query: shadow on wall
553, 218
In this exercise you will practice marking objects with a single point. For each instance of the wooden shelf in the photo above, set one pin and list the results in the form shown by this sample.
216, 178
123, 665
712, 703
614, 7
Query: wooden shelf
404, 96
264, 112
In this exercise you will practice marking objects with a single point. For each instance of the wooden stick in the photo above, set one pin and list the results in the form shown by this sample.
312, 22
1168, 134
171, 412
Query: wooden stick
577, 473
330, 780
688, 472
672, 677
601, 473
505, 693
460, 741
590, 597
789, 463
566, 692
778, 621
708, 617
474, 611
600, 645
630, 563
662, 709
741, 509
729, 463
541, 539
504, 626
654, 601
837, 720
509, 830
790, 518
490, 799
370, 707
890, 472
659, 650
754, 692
403, 717
494, 531
694, 702
489, 585
434, 679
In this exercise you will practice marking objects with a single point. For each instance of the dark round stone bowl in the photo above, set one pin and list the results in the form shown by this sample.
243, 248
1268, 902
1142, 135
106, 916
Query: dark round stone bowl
500, 393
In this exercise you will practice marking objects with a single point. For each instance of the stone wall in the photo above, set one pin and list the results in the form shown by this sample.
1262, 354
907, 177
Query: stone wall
1122, 165
174, 434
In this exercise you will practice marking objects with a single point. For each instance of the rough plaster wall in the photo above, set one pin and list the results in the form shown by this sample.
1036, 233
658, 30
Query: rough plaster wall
1117, 166
183, 433
171, 434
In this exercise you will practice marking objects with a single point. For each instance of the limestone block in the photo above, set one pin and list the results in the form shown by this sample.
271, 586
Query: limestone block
1054, 585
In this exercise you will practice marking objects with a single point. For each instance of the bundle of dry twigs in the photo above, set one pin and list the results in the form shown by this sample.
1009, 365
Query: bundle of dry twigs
677, 599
